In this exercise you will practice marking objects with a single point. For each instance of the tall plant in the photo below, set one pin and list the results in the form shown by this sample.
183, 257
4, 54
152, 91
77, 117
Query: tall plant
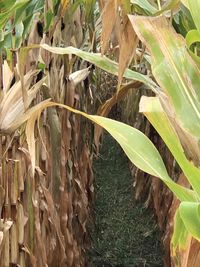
174, 112
44, 205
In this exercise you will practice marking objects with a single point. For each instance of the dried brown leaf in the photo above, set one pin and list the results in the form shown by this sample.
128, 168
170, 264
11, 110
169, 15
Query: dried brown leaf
64, 4
108, 21
30, 137
14, 245
128, 44
20, 223
1, 237
55, 221
21, 63
194, 254
7, 76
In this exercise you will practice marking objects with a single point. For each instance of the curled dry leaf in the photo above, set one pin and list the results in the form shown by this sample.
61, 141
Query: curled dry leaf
128, 44
21, 63
108, 21
55, 221
31, 138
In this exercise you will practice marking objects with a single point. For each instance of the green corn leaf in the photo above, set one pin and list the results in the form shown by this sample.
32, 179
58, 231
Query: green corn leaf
102, 62
89, 10
48, 19
19, 28
180, 235
185, 3
190, 215
139, 149
144, 4
174, 70
153, 110
171, 5
194, 7
192, 37
126, 5
8, 9
183, 21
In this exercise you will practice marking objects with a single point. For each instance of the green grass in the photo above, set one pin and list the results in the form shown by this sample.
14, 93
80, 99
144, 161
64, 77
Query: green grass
125, 233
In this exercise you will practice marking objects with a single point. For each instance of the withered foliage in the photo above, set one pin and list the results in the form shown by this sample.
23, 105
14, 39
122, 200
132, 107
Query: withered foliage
44, 214
44, 217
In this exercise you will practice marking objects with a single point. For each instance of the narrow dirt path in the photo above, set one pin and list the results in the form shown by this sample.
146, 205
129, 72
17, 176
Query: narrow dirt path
125, 233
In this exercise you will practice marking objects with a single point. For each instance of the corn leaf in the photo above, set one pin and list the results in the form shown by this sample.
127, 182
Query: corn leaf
126, 5
171, 5
103, 63
180, 235
185, 3
89, 10
108, 21
128, 45
194, 7
7, 9
173, 68
190, 215
153, 110
144, 4
192, 37
178, 77
12, 107
135, 144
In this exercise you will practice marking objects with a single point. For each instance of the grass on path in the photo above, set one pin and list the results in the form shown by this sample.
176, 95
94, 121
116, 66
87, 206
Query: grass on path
125, 233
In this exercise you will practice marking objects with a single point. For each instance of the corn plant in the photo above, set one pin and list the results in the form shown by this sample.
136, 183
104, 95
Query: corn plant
44, 204
173, 111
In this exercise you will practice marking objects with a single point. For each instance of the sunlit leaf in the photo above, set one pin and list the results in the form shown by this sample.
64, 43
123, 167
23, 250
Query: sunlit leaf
153, 110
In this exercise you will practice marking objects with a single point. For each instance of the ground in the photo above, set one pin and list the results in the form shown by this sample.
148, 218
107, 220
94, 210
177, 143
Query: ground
125, 232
